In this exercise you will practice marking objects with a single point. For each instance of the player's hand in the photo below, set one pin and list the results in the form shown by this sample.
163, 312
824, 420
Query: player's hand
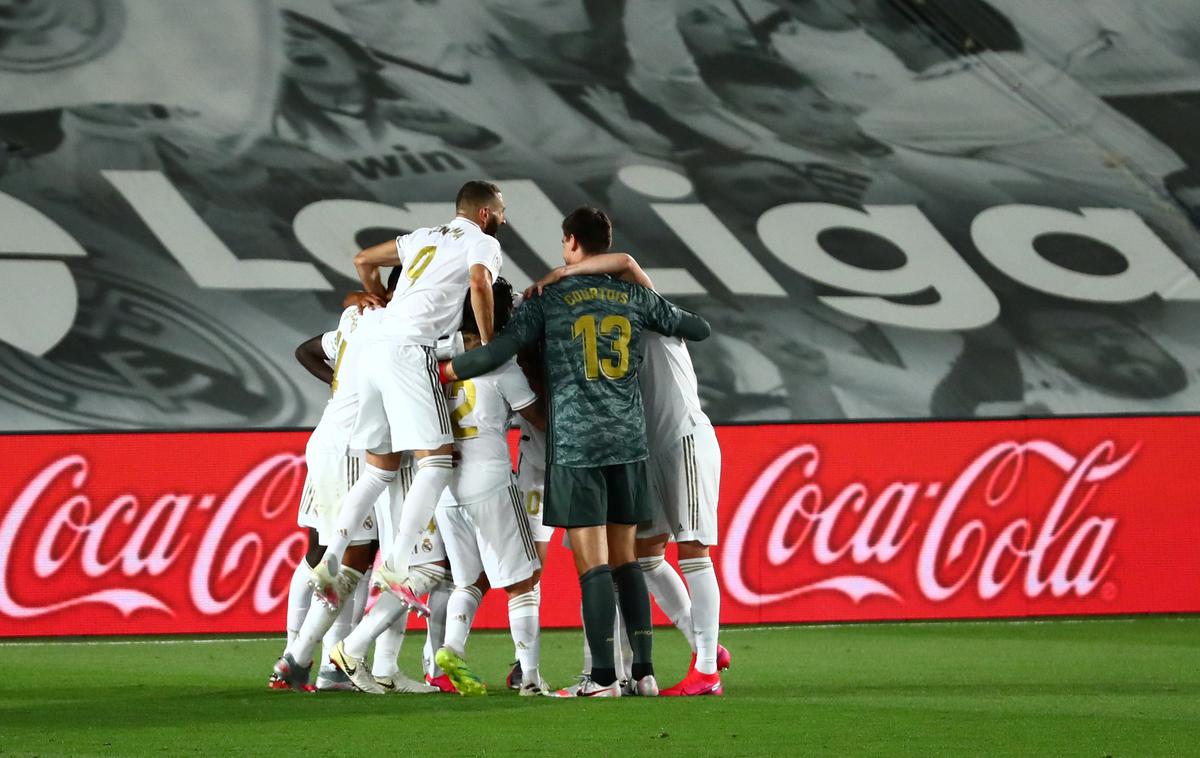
555, 275
446, 373
363, 300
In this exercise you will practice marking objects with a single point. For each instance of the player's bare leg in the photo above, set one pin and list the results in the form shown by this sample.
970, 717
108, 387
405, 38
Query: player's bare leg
433, 472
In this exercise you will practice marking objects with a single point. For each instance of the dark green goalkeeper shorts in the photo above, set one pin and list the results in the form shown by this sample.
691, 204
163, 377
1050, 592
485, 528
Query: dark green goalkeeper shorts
596, 495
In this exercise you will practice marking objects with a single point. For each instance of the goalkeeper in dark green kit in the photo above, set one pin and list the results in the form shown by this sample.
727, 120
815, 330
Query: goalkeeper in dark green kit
596, 450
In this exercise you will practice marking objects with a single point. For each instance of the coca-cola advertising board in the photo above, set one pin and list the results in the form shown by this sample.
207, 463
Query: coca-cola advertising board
195, 533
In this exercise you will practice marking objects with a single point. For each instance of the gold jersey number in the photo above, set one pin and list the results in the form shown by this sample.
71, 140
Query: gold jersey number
618, 333
463, 391
420, 262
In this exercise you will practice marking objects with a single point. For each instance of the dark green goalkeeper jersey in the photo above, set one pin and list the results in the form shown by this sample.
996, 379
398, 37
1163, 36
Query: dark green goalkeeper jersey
592, 327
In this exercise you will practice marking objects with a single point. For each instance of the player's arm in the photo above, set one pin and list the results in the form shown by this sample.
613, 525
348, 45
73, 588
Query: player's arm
481, 301
368, 262
363, 300
669, 319
523, 330
623, 266
311, 355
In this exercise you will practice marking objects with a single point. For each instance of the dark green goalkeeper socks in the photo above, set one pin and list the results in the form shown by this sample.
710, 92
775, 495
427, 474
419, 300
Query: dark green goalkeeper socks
635, 608
599, 613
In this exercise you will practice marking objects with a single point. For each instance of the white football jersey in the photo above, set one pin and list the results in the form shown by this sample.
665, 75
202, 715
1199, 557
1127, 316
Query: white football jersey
670, 391
337, 420
531, 452
479, 411
437, 260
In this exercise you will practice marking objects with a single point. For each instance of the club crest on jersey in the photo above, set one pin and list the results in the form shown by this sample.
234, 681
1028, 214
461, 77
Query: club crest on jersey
135, 352
44, 35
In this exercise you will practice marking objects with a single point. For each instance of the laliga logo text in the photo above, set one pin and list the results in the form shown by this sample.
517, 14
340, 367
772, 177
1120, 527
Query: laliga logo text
1066, 552
79, 532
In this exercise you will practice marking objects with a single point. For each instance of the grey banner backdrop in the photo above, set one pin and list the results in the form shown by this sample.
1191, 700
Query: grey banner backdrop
887, 208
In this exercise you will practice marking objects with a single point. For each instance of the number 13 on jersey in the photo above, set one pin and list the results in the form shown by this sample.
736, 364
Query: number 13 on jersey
617, 331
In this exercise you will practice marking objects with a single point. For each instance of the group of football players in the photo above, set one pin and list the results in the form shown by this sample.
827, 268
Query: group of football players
411, 501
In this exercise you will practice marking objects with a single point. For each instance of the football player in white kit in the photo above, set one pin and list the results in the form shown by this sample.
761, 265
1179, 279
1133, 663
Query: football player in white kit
402, 405
685, 476
331, 471
481, 518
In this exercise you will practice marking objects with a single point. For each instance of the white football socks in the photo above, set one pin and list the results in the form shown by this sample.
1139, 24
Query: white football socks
432, 477
526, 634
435, 625
355, 506
460, 612
299, 598
622, 650
387, 647
706, 610
388, 609
319, 619
537, 596
671, 595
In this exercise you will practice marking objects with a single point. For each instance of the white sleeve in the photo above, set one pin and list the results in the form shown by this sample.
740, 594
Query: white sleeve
330, 343
515, 387
486, 253
402, 247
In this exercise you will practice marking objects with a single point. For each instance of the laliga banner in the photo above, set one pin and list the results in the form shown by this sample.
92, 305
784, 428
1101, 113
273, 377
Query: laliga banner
195, 533
886, 208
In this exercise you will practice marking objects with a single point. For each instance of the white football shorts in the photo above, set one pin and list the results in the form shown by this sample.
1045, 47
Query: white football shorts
330, 476
489, 536
401, 404
531, 482
685, 484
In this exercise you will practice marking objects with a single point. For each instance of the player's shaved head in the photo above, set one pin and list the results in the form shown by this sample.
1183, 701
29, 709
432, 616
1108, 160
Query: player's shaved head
590, 227
474, 195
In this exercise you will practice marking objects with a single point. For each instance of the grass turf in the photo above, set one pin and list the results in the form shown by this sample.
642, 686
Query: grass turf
1119, 687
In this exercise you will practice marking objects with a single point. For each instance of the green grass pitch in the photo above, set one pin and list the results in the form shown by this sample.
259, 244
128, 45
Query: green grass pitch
1116, 687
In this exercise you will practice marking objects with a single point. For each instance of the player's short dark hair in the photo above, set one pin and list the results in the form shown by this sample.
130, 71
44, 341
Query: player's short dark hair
476, 194
750, 71
502, 307
591, 228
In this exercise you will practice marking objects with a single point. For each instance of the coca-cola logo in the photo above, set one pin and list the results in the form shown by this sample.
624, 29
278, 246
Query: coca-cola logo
984, 532
208, 542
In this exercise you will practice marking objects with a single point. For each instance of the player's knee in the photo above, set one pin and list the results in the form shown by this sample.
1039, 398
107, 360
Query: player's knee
522, 587
383, 476
358, 557
652, 546
482, 584
692, 549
